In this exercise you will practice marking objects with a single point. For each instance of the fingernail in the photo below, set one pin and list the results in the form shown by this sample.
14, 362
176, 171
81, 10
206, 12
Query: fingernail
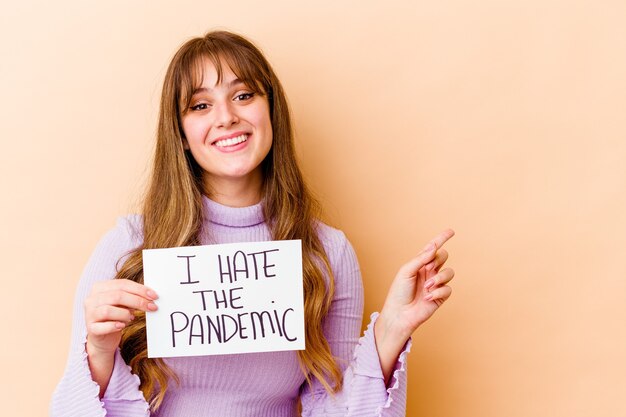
152, 295
132, 317
430, 247
429, 283
119, 325
152, 306
428, 297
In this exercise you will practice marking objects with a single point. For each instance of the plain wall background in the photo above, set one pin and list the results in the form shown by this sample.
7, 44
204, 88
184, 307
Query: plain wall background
501, 119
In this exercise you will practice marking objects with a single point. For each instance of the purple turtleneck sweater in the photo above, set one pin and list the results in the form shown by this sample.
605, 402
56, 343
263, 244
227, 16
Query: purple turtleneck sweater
252, 384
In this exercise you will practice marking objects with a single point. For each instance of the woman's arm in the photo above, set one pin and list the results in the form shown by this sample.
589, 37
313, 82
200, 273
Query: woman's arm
364, 391
415, 294
78, 394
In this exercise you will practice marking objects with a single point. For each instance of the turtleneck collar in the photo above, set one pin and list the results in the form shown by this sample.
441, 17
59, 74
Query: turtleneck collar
232, 216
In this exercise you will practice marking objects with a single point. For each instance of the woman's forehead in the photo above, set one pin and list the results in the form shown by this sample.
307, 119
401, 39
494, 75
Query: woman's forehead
209, 71
208, 75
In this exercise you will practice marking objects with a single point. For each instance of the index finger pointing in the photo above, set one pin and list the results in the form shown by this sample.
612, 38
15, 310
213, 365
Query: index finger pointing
442, 238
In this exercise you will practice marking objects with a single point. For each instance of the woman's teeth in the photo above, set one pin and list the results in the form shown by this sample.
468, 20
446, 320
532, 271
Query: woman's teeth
232, 141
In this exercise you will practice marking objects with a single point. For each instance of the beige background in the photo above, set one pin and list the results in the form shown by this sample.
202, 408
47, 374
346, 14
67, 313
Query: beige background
501, 119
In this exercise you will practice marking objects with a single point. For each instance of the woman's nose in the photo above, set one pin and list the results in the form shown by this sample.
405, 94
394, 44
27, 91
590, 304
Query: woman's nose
225, 115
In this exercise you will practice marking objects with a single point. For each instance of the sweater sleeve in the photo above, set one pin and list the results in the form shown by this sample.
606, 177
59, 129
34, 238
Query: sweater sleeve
364, 392
76, 395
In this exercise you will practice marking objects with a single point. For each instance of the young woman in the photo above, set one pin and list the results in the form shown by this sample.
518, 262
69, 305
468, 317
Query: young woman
225, 171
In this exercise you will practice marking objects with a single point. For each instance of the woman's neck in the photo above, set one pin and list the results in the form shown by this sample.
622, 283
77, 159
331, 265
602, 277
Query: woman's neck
235, 192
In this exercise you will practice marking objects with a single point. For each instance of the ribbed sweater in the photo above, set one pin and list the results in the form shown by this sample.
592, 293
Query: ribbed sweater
265, 384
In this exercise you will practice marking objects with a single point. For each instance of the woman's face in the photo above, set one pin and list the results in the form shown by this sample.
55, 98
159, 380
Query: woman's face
227, 129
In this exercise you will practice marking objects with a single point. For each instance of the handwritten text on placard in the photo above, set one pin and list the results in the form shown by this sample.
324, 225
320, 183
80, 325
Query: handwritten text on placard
229, 298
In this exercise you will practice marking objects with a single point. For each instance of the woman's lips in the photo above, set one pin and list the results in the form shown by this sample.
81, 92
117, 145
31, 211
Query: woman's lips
231, 141
232, 144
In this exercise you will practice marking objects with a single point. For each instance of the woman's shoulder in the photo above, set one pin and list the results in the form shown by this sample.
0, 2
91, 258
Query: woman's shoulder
335, 242
330, 237
113, 248
343, 262
125, 235
130, 225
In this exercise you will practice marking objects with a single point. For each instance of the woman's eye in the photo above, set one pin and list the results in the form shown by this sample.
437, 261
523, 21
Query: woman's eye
201, 106
244, 96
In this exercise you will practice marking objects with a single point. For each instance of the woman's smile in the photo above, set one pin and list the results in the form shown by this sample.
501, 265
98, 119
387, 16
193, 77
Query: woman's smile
231, 143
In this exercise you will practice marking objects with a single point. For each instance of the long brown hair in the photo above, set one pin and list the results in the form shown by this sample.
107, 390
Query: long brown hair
172, 208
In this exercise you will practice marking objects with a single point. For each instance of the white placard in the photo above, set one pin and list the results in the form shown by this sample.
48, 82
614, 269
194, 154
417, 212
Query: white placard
229, 298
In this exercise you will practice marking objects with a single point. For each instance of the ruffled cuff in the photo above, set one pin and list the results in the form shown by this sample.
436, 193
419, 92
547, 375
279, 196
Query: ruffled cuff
367, 363
397, 383
123, 397
91, 387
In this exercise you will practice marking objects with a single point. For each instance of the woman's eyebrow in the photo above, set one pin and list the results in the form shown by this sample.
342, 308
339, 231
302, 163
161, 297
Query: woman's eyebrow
229, 85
